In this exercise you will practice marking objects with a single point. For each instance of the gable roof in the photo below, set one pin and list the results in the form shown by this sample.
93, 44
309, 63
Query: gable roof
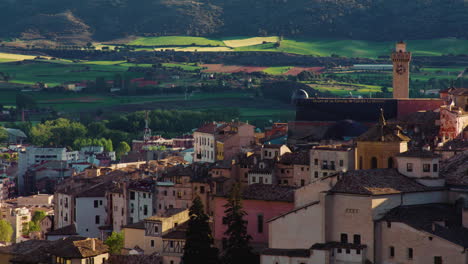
269, 192
69, 230
296, 158
423, 217
385, 133
377, 182
78, 247
419, 154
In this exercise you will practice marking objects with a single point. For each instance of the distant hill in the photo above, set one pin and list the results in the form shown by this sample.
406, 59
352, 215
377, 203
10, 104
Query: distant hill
80, 21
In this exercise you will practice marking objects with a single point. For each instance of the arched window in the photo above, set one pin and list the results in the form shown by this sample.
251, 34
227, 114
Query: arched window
373, 163
390, 162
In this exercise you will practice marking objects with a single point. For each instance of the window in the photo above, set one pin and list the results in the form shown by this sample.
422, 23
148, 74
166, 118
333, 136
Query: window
341, 163
374, 163
152, 243
315, 162
410, 253
316, 174
282, 170
246, 175
165, 193
339, 250
254, 179
435, 167
260, 223
389, 224
144, 195
302, 182
100, 202
325, 174
358, 251
132, 195
437, 260
392, 252
156, 229
171, 244
202, 189
390, 163
145, 209
357, 239
409, 167
324, 165
266, 153
360, 162
426, 167
96, 203
260, 179
225, 221
97, 219
348, 251
332, 165
344, 238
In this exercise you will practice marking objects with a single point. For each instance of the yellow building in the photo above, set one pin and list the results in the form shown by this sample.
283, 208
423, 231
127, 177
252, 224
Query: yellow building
378, 147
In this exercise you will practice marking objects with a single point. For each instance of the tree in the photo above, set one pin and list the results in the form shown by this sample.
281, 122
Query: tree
199, 240
237, 248
3, 134
38, 216
115, 242
6, 231
122, 148
25, 101
59, 132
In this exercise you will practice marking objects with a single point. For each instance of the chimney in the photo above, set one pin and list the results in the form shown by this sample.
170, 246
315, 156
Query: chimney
93, 244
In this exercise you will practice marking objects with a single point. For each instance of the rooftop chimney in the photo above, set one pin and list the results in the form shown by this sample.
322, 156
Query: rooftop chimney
93, 244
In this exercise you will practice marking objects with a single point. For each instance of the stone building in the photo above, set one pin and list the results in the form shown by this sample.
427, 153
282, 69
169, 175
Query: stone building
329, 159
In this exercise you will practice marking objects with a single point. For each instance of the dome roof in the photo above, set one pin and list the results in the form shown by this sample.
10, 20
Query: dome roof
344, 130
300, 94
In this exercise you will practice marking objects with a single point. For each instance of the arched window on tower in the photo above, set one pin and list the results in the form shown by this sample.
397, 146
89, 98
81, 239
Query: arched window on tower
390, 162
373, 163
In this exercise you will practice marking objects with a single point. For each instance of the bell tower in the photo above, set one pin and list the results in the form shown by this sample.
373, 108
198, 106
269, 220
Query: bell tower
401, 61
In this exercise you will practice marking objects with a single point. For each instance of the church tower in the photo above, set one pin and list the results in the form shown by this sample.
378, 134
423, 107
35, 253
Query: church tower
401, 60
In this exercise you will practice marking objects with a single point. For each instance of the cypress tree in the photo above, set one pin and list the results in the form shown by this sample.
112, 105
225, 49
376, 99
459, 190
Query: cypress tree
237, 249
199, 240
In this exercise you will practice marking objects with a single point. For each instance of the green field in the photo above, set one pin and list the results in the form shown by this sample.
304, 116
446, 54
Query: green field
176, 41
55, 72
315, 47
277, 70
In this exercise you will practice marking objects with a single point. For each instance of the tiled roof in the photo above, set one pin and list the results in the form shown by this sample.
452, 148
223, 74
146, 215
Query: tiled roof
453, 145
31, 251
95, 191
272, 146
377, 182
455, 169
423, 217
177, 233
137, 225
419, 154
297, 252
69, 230
207, 128
269, 192
143, 185
385, 133
459, 91
296, 158
78, 247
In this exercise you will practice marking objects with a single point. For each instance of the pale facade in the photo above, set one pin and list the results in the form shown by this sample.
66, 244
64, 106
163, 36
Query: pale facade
378, 155
63, 209
328, 160
38, 199
204, 147
273, 151
90, 215
19, 218
140, 205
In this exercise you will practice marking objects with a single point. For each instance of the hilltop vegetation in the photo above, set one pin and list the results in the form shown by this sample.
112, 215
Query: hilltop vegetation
72, 21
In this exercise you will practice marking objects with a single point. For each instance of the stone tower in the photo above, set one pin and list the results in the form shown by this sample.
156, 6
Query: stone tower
401, 61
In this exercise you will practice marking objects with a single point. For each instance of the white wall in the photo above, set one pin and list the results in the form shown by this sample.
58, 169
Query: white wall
142, 199
86, 215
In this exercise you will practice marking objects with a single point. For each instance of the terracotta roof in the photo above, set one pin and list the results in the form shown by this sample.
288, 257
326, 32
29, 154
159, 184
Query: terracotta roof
69, 230
296, 252
177, 233
78, 247
143, 185
454, 145
377, 182
423, 217
269, 192
31, 251
454, 169
137, 225
273, 146
459, 91
385, 133
296, 158
95, 191
419, 154
208, 128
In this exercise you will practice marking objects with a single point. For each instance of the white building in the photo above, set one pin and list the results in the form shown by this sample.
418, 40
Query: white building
205, 143
91, 211
273, 151
327, 160
63, 209
140, 203
32, 156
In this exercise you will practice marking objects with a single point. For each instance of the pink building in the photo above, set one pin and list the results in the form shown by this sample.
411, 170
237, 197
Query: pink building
261, 203
232, 137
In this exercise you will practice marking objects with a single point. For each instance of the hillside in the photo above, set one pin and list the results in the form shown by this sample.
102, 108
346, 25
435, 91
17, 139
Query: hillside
78, 21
